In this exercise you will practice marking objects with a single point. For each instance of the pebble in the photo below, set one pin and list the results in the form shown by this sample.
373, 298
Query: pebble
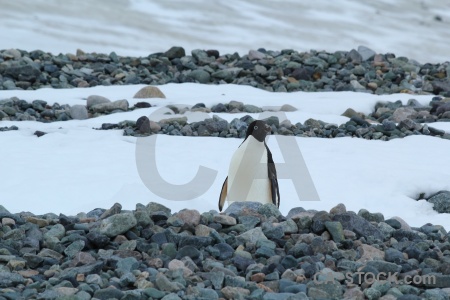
111, 259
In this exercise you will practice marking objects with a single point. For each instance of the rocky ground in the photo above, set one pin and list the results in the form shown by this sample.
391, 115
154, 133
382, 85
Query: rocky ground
249, 252
360, 70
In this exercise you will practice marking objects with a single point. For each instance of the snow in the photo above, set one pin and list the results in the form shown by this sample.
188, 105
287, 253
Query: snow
76, 168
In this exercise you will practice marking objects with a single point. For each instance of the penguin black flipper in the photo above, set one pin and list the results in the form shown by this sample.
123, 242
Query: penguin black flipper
223, 194
272, 172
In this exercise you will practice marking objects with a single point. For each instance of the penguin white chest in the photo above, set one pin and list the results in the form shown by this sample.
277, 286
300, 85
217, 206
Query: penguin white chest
248, 173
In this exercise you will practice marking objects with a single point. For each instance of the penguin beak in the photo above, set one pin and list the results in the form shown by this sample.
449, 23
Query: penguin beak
268, 129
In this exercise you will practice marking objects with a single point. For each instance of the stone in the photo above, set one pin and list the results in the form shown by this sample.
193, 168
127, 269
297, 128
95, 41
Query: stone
441, 201
403, 113
117, 224
143, 125
288, 108
225, 220
200, 75
149, 92
96, 99
251, 236
110, 106
108, 293
255, 55
164, 284
78, 112
359, 225
336, 231
366, 53
175, 52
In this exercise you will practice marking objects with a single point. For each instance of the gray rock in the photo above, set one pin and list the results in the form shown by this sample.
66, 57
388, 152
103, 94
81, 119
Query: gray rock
200, 75
355, 57
117, 224
236, 208
74, 248
403, 113
175, 52
251, 236
8, 279
227, 75
441, 202
336, 231
359, 225
78, 112
108, 293
384, 266
155, 207
269, 210
255, 55
325, 290
288, 108
248, 108
164, 284
366, 53
96, 99
126, 265
236, 105
109, 107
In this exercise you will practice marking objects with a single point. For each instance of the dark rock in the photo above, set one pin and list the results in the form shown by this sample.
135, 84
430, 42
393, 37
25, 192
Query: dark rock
441, 201
142, 105
175, 52
357, 224
143, 125
39, 133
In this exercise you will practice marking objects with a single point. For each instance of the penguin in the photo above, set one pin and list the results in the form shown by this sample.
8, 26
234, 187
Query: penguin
252, 175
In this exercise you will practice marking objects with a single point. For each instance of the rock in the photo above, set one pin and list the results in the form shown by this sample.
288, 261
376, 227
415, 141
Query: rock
255, 55
359, 225
441, 201
225, 220
110, 106
354, 57
95, 99
164, 284
78, 112
368, 253
39, 133
175, 52
366, 53
149, 92
227, 75
251, 236
143, 125
287, 108
190, 217
336, 231
403, 113
142, 104
117, 224
200, 75
236, 208
232, 293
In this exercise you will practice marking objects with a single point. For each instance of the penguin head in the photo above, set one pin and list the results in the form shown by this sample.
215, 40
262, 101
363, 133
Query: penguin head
258, 129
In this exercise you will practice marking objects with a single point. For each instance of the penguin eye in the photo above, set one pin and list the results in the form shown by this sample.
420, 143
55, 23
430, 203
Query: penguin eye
256, 127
